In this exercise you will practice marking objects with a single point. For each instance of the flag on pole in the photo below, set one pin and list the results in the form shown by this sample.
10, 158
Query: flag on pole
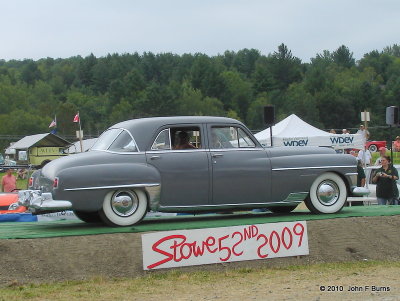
76, 118
53, 123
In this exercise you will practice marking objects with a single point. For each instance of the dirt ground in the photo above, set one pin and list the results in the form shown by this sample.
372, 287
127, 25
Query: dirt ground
119, 255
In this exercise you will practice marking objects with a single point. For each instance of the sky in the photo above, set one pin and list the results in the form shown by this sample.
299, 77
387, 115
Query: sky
34, 29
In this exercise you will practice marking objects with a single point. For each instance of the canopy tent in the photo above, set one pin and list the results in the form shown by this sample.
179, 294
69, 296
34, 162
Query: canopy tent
86, 145
293, 131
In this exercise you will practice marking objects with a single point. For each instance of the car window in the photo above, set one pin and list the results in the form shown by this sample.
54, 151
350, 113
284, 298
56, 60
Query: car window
163, 141
186, 138
123, 143
106, 139
244, 139
178, 138
117, 140
230, 137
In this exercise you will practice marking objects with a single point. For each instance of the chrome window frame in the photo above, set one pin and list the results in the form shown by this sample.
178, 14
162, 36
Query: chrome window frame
169, 138
113, 151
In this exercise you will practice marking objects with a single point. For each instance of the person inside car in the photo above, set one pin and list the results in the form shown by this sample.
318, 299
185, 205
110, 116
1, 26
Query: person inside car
183, 142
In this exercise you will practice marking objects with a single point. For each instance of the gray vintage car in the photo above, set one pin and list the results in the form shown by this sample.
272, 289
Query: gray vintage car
188, 164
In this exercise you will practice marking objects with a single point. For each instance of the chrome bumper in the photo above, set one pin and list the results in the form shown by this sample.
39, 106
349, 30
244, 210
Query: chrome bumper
37, 201
359, 191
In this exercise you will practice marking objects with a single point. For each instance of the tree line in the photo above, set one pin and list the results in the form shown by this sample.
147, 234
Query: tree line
330, 91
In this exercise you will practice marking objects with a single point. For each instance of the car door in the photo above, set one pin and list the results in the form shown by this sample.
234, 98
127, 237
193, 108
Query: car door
185, 177
241, 171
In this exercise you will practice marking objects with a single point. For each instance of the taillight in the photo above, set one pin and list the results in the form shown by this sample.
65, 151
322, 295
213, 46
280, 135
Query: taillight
55, 183
30, 182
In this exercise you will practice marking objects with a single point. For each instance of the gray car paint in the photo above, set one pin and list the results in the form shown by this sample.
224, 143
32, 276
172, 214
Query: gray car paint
193, 180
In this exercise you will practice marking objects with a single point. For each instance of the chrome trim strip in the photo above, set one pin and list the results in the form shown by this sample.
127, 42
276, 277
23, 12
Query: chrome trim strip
119, 153
313, 167
177, 151
204, 150
231, 149
115, 186
231, 205
297, 197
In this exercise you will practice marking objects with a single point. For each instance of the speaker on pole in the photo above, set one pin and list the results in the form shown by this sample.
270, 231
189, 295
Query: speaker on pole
392, 115
269, 115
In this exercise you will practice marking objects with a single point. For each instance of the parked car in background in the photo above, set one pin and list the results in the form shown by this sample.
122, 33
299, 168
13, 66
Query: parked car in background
9, 203
374, 146
218, 165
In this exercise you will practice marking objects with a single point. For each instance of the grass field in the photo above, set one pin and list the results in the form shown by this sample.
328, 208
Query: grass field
243, 284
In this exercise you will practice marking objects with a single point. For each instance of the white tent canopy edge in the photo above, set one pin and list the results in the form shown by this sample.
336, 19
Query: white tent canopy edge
293, 131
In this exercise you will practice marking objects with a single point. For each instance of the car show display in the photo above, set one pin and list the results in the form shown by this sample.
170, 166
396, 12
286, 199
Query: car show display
192, 165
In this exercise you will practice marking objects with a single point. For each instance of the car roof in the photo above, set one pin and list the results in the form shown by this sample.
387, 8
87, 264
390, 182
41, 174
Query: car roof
143, 129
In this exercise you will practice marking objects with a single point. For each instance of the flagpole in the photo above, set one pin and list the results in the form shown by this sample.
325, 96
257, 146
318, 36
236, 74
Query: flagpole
80, 132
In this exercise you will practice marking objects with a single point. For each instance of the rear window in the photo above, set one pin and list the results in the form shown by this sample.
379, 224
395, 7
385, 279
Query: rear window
116, 140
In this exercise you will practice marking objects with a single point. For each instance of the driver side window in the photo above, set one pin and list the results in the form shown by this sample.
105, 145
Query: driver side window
230, 137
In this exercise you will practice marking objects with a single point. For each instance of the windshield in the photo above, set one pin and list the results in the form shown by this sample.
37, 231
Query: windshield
117, 140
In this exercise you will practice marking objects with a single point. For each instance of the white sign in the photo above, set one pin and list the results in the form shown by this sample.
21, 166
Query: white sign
365, 116
226, 244
57, 216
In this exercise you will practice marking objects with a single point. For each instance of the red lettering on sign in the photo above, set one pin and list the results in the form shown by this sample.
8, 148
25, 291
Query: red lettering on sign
237, 243
274, 247
177, 247
228, 250
286, 230
169, 256
262, 245
301, 233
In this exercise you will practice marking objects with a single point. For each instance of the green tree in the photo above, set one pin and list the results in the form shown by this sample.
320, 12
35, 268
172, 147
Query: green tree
343, 57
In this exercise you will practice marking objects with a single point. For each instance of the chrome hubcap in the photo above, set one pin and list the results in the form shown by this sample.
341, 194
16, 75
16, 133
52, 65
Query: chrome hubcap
124, 203
328, 193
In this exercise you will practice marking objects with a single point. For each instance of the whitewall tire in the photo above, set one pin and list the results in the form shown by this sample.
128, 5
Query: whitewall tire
328, 194
124, 207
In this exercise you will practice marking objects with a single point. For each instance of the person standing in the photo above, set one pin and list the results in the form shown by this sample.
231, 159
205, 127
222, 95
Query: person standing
385, 179
8, 182
382, 153
364, 132
396, 144
365, 157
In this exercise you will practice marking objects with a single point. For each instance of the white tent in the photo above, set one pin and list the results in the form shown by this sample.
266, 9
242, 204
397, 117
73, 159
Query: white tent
86, 145
292, 131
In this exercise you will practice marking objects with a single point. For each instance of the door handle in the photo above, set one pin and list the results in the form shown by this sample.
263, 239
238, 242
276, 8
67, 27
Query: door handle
217, 155
154, 157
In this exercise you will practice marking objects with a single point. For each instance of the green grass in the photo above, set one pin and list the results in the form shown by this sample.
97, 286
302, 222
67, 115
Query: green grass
100, 288
396, 157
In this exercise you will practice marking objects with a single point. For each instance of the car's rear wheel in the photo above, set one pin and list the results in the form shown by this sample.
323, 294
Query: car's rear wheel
373, 148
124, 207
328, 194
88, 217
282, 209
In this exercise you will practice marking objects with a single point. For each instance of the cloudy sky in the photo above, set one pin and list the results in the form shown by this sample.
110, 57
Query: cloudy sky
64, 28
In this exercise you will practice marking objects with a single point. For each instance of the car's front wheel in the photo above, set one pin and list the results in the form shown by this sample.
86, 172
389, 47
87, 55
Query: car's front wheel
328, 194
373, 148
124, 207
